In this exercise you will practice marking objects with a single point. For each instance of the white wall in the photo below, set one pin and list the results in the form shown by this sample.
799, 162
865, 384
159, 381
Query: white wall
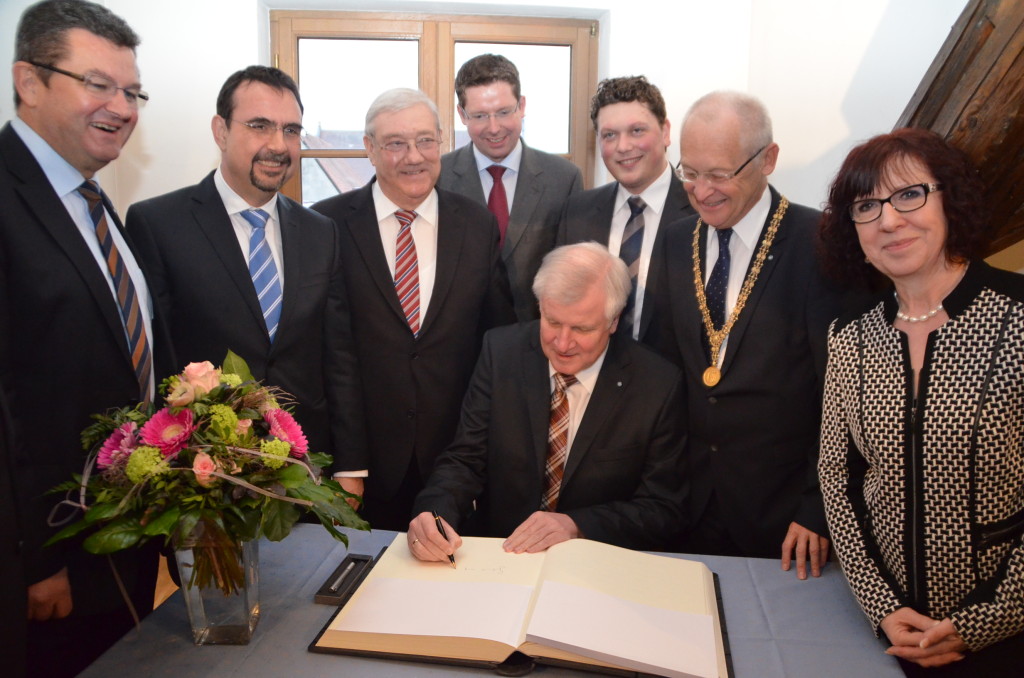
831, 73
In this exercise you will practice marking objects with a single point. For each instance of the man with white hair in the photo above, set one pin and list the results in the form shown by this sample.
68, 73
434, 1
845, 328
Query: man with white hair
426, 281
750, 340
568, 429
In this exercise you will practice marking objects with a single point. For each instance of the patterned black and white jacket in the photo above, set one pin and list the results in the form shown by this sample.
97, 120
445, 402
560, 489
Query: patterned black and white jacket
925, 500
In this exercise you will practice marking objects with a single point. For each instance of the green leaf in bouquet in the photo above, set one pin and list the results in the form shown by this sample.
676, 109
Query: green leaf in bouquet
116, 536
68, 532
164, 523
243, 524
293, 475
100, 512
278, 519
235, 364
319, 459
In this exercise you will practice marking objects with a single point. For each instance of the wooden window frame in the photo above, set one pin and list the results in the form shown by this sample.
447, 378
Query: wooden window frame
437, 35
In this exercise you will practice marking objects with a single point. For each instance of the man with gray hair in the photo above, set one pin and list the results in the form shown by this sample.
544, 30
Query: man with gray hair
750, 340
568, 429
426, 281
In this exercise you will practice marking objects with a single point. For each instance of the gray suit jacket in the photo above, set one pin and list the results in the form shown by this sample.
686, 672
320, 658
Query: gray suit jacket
588, 216
544, 185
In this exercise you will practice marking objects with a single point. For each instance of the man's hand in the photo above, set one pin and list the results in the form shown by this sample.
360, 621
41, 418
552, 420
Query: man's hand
920, 639
426, 542
541, 531
50, 598
809, 546
354, 486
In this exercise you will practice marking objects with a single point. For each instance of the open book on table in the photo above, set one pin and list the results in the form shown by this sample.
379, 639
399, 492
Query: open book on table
581, 603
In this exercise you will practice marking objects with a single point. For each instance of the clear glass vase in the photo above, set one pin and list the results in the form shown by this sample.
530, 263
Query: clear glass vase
220, 583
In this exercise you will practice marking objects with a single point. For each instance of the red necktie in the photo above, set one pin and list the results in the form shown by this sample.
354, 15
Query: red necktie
407, 271
497, 202
558, 441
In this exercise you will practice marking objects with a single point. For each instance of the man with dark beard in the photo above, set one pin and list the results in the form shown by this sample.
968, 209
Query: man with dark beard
235, 265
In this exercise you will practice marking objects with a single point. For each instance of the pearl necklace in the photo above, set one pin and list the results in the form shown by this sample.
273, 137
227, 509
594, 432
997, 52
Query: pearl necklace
914, 318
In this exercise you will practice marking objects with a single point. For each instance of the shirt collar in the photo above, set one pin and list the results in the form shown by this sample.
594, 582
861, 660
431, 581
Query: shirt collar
587, 377
511, 161
654, 195
748, 228
62, 175
235, 203
426, 210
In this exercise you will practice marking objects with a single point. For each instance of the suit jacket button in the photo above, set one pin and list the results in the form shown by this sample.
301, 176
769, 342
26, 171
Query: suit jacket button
415, 356
411, 414
714, 448
712, 400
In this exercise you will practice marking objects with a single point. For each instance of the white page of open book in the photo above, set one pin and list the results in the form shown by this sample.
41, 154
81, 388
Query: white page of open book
623, 632
404, 595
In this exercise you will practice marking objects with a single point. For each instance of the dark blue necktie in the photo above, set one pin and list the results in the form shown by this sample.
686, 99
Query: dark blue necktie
718, 283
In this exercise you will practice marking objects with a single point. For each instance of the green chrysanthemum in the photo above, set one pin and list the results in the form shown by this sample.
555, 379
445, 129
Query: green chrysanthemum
145, 462
278, 448
230, 379
223, 422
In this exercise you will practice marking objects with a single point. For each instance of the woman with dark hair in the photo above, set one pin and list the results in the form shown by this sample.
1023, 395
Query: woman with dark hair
922, 443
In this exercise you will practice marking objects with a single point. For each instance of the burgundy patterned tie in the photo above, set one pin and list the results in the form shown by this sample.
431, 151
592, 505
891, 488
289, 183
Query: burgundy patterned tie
407, 271
497, 202
127, 300
558, 441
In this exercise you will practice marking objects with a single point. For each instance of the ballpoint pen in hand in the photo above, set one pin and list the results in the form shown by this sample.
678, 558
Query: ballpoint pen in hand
440, 528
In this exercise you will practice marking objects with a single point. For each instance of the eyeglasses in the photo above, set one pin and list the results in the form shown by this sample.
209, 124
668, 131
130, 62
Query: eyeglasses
424, 145
906, 199
483, 118
101, 87
265, 128
691, 176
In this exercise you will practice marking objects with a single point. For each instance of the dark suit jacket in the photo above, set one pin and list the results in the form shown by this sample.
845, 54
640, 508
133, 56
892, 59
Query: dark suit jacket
200, 279
13, 600
588, 216
624, 480
544, 184
413, 387
63, 357
754, 436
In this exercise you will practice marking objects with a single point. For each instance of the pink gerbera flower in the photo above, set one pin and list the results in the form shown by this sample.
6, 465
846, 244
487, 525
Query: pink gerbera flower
168, 432
284, 427
118, 447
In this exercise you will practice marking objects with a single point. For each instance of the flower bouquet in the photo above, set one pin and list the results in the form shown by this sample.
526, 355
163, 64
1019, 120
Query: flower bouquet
220, 465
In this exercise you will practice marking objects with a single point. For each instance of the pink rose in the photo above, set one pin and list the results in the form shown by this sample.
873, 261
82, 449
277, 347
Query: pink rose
284, 427
118, 447
182, 394
204, 466
168, 432
204, 377
243, 426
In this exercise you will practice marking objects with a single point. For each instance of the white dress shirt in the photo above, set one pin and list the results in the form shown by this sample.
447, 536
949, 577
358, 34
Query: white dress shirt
424, 235
235, 205
578, 395
508, 179
654, 196
742, 246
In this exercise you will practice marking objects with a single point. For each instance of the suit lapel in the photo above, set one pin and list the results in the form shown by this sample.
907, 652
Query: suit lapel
537, 387
611, 385
365, 231
212, 219
692, 333
451, 231
529, 191
774, 254
676, 207
40, 198
293, 247
466, 172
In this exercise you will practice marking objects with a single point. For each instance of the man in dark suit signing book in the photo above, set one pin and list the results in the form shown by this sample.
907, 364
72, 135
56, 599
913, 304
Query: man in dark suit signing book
569, 428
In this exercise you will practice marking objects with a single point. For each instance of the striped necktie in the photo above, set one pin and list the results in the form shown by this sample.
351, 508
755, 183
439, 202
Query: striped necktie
127, 299
558, 441
263, 270
629, 252
407, 271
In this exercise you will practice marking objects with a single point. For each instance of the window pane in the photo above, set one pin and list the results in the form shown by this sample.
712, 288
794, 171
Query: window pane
326, 177
544, 71
337, 90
